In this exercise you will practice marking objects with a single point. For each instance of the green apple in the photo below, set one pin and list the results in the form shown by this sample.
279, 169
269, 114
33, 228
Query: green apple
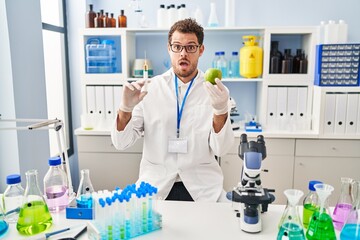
211, 74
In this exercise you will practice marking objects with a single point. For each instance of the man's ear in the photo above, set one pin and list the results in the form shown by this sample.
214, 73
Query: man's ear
201, 50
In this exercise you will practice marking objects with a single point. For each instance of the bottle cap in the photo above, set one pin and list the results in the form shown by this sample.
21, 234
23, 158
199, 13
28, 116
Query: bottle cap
312, 184
234, 53
54, 161
13, 179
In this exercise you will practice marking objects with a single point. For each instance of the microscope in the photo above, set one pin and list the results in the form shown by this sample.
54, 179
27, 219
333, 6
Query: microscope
253, 199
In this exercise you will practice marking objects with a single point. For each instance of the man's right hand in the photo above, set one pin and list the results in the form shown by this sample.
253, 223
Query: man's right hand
133, 93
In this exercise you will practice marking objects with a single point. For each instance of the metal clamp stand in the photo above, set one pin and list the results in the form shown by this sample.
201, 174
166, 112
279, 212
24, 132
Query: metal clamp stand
46, 124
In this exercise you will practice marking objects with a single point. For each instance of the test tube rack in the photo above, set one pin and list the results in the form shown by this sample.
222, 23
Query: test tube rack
124, 214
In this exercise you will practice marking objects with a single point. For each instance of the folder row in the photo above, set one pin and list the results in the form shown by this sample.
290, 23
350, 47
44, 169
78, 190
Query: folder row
342, 113
102, 103
287, 108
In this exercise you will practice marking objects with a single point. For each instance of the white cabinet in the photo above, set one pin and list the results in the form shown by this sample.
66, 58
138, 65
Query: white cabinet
279, 163
109, 168
327, 161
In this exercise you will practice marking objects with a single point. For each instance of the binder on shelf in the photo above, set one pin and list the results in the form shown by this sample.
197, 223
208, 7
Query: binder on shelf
109, 102
100, 105
281, 103
358, 117
117, 97
292, 102
303, 120
329, 114
271, 107
351, 113
90, 100
340, 113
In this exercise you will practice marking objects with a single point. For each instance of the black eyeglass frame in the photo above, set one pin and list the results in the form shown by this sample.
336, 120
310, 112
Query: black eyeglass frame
184, 46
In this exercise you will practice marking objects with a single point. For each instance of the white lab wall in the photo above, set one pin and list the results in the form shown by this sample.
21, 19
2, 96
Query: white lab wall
24, 88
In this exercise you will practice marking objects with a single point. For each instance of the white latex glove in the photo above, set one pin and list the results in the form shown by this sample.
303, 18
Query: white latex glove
219, 96
133, 93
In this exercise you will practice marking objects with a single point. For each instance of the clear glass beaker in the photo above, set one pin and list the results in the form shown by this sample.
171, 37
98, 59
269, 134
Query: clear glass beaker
344, 204
290, 223
321, 225
34, 216
351, 229
4, 226
83, 196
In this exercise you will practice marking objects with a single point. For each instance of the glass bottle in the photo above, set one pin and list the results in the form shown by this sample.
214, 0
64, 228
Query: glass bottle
321, 225
290, 223
287, 62
55, 186
351, 229
12, 198
215, 60
112, 21
222, 64
344, 204
296, 62
106, 20
303, 63
4, 226
275, 58
310, 203
213, 19
34, 214
83, 196
234, 65
90, 16
122, 22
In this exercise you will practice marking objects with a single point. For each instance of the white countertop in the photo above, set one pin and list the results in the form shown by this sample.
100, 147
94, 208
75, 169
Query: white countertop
185, 221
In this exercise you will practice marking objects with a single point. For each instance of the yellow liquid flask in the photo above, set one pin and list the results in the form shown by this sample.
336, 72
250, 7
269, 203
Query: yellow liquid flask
251, 58
321, 226
290, 226
34, 216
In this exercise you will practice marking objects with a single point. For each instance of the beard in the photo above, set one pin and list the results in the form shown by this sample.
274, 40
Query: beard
184, 74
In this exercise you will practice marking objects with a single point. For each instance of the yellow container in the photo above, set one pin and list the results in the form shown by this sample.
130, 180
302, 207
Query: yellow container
251, 58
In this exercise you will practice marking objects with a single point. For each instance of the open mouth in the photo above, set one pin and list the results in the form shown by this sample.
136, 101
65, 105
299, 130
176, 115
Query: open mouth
184, 64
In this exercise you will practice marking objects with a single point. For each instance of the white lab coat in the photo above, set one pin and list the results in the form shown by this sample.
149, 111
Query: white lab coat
156, 118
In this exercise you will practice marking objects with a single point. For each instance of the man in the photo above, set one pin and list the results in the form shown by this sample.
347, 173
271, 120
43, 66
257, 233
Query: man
184, 122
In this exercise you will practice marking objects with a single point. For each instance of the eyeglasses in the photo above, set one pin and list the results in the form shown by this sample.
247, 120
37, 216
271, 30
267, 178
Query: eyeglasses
176, 48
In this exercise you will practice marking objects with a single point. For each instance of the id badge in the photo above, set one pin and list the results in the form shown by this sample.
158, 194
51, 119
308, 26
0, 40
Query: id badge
177, 145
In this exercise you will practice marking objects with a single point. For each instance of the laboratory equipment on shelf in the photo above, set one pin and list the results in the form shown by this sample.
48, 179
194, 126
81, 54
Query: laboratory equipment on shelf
12, 198
310, 203
47, 124
290, 226
251, 196
83, 196
34, 214
351, 229
124, 214
4, 226
344, 204
251, 58
321, 225
55, 186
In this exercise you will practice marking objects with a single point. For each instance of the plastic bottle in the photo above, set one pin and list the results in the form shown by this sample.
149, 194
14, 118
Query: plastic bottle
162, 20
322, 32
183, 12
230, 13
303, 64
55, 186
90, 16
172, 14
215, 60
331, 32
213, 19
296, 61
12, 198
222, 64
4, 226
83, 196
199, 17
234, 65
310, 203
122, 21
287, 62
34, 214
275, 58
342, 32
251, 58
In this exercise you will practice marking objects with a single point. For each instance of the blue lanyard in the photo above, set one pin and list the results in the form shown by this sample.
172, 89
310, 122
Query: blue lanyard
180, 110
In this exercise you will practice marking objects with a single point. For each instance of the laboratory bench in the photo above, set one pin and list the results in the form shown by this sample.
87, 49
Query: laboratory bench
184, 220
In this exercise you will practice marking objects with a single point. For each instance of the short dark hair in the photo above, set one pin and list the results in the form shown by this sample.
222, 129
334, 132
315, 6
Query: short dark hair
187, 25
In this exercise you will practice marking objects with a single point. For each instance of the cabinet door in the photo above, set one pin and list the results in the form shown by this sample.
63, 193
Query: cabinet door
326, 169
110, 170
278, 177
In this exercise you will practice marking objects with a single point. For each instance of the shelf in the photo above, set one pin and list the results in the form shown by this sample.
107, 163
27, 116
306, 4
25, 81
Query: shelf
242, 79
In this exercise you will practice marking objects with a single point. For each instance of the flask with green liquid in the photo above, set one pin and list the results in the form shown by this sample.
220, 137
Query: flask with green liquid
310, 203
34, 214
321, 225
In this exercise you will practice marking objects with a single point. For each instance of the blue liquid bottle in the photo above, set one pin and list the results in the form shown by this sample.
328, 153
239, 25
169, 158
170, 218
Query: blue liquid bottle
234, 66
4, 226
351, 229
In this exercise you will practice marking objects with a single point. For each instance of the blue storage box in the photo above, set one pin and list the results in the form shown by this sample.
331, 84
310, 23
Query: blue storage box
337, 64
101, 57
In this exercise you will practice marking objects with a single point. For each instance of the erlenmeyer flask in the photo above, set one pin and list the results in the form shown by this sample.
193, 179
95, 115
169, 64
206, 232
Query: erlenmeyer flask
34, 216
290, 223
4, 226
321, 226
344, 203
83, 196
351, 229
